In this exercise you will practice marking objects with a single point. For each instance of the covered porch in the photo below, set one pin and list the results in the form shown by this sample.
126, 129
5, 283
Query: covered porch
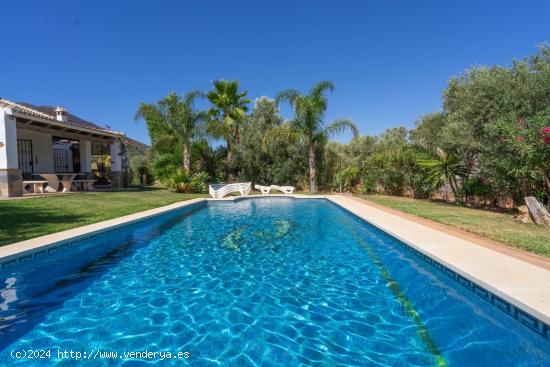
44, 153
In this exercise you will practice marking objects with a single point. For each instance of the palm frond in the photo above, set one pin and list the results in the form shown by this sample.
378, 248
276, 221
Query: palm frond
190, 98
445, 169
283, 133
318, 90
172, 120
146, 110
164, 142
228, 111
217, 130
289, 96
341, 125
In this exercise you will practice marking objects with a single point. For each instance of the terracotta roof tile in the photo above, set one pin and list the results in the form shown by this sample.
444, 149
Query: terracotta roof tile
48, 113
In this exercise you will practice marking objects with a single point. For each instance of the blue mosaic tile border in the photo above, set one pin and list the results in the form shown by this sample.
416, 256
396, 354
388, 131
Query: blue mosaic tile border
523, 317
70, 243
59, 246
518, 314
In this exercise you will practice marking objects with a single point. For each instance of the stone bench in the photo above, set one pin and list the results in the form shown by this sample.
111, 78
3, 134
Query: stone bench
38, 186
86, 185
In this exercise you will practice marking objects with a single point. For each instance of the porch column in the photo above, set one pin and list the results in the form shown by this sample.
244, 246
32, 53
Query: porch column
10, 175
85, 147
116, 165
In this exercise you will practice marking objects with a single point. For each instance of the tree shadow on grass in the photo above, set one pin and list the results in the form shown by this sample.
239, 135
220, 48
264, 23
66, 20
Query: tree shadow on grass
20, 222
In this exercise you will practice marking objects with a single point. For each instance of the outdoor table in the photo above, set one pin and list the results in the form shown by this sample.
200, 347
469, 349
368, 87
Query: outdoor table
53, 180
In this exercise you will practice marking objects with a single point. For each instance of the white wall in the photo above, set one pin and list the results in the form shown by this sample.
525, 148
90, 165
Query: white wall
42, 149
8, 140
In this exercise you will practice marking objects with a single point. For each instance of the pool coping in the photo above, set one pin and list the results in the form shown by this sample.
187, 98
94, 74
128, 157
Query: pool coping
521, 284
518, 253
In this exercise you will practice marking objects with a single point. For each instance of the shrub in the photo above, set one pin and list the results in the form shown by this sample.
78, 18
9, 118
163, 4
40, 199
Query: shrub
476, 189
198, 182
182, 182
165, 165
179, 181
346, 180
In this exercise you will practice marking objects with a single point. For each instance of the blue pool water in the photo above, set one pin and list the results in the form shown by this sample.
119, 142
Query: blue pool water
268, 281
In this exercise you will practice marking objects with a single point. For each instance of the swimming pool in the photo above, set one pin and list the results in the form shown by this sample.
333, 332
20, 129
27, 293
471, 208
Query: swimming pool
269, 281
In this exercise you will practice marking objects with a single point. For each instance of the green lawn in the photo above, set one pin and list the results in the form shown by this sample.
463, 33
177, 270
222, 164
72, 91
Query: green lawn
28, 218
497, 226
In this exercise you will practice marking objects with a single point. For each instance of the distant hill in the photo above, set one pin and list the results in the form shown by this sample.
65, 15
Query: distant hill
136, 147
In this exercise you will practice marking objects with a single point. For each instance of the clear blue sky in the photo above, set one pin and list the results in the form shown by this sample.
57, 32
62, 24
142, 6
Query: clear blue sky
389, 60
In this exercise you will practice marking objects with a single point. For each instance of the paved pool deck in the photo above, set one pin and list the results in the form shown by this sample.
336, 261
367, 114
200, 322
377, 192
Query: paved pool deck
518, 253
523, 283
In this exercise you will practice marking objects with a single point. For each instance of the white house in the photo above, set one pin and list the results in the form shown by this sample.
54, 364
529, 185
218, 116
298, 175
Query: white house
47, 139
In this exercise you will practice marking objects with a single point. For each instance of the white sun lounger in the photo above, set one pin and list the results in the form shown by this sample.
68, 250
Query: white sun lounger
287, 190
264, 189
220, 190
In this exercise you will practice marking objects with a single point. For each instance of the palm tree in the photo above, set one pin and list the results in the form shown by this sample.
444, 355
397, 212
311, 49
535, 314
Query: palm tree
308, 123
444, 170
228, 111
174, 119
